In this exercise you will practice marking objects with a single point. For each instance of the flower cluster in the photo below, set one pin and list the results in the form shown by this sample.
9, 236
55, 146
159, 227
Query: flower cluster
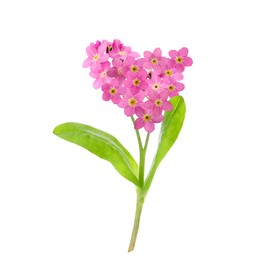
141, 86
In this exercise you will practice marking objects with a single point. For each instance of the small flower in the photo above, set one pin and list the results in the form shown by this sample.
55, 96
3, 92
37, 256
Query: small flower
155, 82
117, 70
96, 54
154, 60
129, 102
136, 81
100, 74
180, 59
171, 72
172, 87
146, 119
112, 91
121, 51
130, 64
158, 102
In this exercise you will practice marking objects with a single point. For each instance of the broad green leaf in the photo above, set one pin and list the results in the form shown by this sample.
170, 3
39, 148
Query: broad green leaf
101, 144
170, 128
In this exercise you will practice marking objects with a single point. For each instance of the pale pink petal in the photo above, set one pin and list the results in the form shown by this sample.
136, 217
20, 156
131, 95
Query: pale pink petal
106, 96
134, 90
173, 54
147, 65
188, 61
139, 123
157, 52
179, 86
139, 111
167, 106
157, 118
147, 55
102, 48
112, 72
105, 87
103, 58
91, 51
183, 52
116, 98
178, 76
149, 126
87, 63
149, 104
129, 111
180, 67
97, 83
163, 95
123, 103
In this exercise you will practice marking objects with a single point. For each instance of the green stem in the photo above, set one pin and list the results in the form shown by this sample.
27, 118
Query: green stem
139, 205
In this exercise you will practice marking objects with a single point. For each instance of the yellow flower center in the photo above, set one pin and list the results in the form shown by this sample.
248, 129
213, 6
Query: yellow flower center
132, 102
134, 68
122, 53
158, 102
112, 91
154, 61
168, 73
147, 118
155, 86
136, 82
96, 57
103, 74
119, 71
179, 59
171, 87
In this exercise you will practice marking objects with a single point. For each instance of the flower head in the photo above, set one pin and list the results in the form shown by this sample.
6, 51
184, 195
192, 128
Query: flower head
146, 119
112, 91
96, 54
180, 59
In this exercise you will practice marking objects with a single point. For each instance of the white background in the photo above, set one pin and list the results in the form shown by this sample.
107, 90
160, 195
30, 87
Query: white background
58, 201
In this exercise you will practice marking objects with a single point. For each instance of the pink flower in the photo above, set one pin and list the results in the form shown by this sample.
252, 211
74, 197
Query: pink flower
180, 59
112, 91
121, 51
154, 60
171, 72
158, 102
130, 64
146, 119
100, 74
154, 82
172, 87
136, 81
130, 102
117, 70
96, 54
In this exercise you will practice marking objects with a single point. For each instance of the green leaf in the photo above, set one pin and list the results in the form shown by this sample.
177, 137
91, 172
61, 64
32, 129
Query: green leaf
170, 128
101, 144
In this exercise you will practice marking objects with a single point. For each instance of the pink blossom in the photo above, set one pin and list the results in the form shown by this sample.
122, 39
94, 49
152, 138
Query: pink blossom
155, 82
154, 60
100, 74
172, 87
129, 102
112, 91
146, 119
96, 54
121, 51
158, 102
171, 72
117, 70
136, 81
130, 64
180, 59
